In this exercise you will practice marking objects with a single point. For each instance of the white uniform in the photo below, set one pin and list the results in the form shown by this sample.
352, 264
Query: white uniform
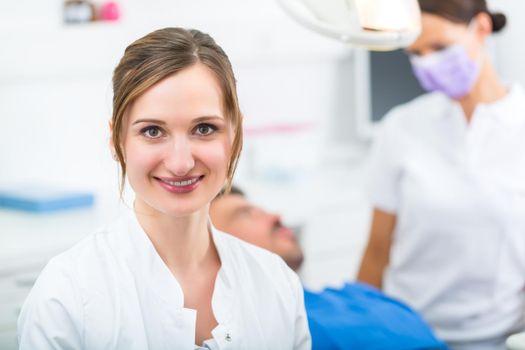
113, 291
458, 191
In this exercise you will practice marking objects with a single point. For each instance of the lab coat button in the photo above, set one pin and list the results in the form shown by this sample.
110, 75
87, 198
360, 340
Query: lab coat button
228, 337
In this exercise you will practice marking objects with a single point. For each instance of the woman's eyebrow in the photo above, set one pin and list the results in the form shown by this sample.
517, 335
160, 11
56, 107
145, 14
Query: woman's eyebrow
240, 210
149, 120
162, 122
207, 118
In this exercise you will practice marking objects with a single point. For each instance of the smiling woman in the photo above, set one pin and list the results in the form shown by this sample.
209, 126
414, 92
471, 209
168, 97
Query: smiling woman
178, 141
167, 56
162, 276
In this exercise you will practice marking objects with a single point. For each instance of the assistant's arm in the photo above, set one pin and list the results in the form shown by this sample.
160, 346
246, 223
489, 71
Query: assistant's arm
377, 252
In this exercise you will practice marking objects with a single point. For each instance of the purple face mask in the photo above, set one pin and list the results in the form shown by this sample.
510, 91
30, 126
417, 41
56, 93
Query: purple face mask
450, 71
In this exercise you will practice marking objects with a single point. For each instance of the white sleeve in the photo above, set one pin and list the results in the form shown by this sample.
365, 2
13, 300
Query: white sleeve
302, 338
51, 317
384, 166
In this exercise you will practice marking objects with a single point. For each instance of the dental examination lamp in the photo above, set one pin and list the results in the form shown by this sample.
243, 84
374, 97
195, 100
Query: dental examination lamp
380, 25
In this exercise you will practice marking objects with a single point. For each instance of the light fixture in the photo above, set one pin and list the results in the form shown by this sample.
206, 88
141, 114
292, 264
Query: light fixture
376, 24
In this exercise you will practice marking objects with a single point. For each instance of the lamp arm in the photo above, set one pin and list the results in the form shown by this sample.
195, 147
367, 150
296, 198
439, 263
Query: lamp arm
300, 14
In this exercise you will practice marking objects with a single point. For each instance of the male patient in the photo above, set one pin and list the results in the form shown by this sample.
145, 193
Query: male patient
355, 316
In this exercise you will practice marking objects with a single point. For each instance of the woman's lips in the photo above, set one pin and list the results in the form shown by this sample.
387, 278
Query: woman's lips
181, 185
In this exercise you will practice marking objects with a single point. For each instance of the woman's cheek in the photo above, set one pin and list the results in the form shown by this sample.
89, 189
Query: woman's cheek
215, 155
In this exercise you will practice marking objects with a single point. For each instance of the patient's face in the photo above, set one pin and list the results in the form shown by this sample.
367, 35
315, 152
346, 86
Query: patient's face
235, 215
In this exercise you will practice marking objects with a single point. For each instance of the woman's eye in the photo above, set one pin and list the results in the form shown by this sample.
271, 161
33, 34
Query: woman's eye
151, 132
205, 129
439, 47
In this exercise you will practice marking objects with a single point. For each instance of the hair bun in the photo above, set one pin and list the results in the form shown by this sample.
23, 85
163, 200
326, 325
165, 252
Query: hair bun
499, 20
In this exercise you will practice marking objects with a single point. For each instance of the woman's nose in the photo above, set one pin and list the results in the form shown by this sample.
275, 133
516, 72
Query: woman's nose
179, 158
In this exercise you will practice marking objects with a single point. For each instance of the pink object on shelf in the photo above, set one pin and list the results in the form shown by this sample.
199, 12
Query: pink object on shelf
110, 11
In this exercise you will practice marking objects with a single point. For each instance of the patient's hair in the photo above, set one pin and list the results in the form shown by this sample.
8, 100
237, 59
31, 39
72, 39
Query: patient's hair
462, 11
232, 190
159, 55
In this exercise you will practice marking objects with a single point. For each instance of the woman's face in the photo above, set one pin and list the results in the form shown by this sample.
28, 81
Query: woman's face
438, 33
177, 143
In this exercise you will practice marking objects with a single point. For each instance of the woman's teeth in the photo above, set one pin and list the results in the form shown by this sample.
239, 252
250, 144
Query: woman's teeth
180, 183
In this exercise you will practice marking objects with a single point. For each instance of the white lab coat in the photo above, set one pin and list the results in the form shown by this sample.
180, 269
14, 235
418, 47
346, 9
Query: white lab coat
113, 291
458, 191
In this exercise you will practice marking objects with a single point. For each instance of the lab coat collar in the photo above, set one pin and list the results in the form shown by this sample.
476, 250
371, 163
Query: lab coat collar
143, 258
155, 280
147, 265
510, 109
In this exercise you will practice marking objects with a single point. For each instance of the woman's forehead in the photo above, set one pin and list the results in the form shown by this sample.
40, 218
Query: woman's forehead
436, 30
191, 93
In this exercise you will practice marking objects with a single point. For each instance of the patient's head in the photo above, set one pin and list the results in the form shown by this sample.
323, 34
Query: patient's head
234, 214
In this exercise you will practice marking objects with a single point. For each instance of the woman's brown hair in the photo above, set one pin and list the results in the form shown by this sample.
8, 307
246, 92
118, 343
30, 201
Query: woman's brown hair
462, 11
159, 55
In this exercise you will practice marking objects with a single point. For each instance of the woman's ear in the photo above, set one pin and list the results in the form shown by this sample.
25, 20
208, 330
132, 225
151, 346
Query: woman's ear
111, 144
483, 24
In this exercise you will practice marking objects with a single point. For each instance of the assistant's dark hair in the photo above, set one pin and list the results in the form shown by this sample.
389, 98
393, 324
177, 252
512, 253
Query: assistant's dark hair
462, 11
